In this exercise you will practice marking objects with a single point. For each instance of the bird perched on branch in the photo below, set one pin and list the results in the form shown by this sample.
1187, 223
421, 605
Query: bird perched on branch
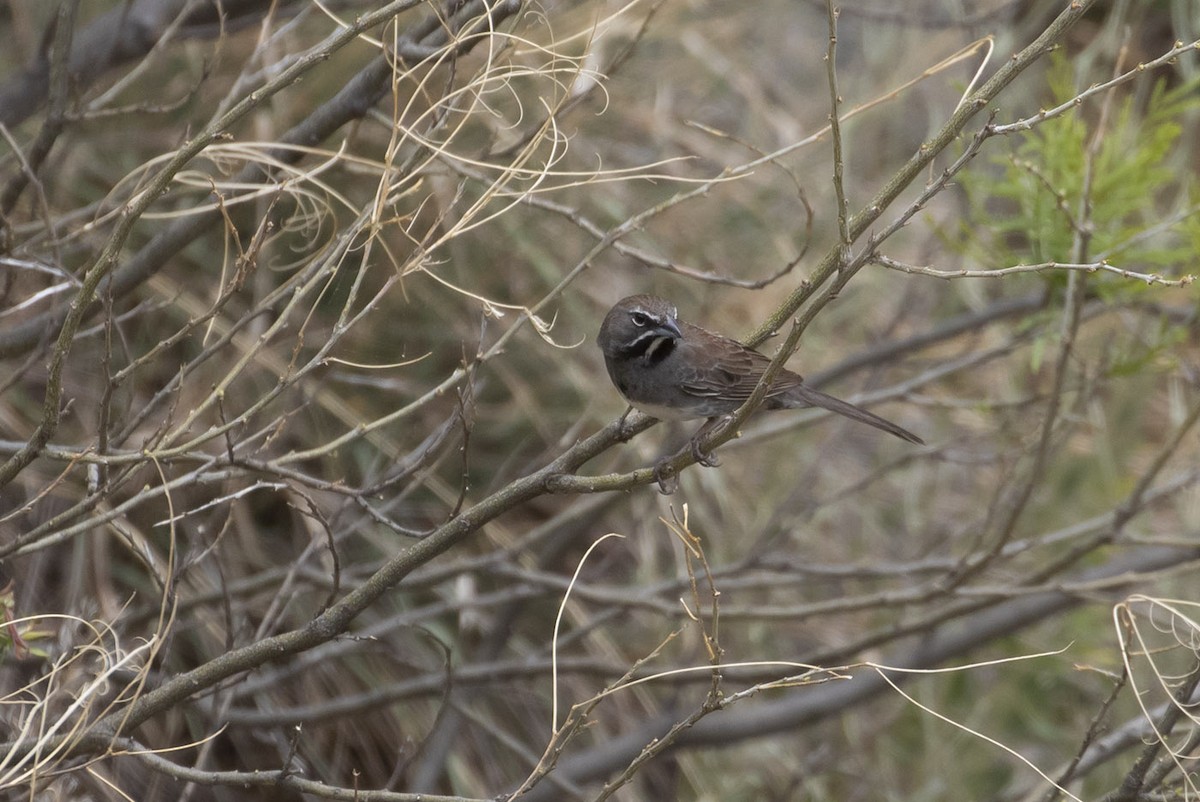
673, 370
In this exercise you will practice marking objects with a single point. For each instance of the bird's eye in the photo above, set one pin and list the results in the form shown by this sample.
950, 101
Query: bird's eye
640, 319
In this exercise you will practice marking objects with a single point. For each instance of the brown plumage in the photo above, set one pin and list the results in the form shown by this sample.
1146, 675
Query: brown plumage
669, 368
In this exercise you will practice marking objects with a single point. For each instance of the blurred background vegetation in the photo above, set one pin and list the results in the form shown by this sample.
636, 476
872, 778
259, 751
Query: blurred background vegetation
298, 302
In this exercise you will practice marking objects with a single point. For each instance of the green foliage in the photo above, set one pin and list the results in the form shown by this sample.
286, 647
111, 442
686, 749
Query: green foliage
1031, 206
1117, 173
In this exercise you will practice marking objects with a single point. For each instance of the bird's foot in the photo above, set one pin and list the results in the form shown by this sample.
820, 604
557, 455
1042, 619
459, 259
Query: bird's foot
713, 426
665, 476
708, 460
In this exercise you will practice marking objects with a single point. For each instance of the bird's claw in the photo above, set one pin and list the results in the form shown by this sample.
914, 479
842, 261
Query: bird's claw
708, 460
713, 428
666, 477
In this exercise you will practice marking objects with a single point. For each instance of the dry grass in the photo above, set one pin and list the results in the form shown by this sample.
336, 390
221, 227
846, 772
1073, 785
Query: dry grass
295, 469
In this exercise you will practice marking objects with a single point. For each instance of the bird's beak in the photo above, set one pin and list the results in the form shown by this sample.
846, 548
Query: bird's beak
670, 328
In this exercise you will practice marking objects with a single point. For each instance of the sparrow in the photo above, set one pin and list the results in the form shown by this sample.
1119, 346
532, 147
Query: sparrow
673, 370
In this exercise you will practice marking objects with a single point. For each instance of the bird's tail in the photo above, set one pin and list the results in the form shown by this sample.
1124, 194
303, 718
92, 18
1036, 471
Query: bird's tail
804, 395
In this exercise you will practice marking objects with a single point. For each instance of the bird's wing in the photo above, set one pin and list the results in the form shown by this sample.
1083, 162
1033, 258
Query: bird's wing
720, 367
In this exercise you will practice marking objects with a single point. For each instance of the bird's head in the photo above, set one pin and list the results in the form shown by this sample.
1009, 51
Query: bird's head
638, 326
